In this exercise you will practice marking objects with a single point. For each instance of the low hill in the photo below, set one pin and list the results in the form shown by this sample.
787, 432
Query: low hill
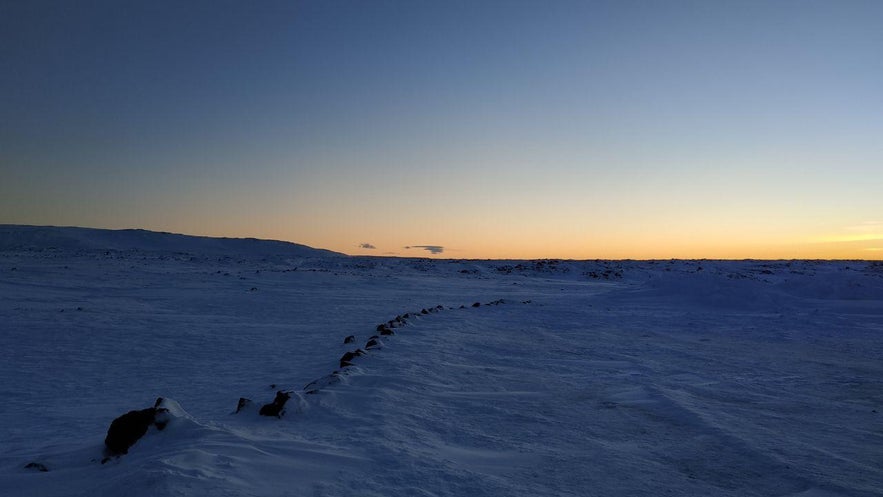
21, 237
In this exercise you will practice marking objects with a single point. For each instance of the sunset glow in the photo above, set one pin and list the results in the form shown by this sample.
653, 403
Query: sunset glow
459, 129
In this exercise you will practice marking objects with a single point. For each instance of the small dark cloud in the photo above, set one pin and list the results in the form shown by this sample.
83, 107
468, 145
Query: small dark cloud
433, 249
367, 246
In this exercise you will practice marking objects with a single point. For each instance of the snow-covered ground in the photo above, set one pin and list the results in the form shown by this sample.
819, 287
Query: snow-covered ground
627, 378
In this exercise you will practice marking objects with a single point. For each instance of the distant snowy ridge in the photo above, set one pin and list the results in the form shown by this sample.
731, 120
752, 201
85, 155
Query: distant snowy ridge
22, 237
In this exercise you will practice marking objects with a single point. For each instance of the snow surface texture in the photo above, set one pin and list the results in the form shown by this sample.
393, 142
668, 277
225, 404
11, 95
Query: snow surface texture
625, 378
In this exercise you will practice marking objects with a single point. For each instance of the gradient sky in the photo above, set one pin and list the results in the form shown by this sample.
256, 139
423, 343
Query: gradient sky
485, 129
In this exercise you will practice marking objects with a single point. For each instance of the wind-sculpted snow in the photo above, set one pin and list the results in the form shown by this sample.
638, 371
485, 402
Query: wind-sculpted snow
711, 378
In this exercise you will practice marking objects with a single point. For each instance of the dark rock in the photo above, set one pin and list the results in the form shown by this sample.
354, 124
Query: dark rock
37, 466
373, 337
387, 332
424, 311
372, 343
243, 403
440, 307
275, 408
381, 327
349, 339
127, 429
407, 315
349, 356
462, 307
477, 304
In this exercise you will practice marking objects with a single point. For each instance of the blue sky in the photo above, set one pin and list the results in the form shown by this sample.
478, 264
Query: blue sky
490, 129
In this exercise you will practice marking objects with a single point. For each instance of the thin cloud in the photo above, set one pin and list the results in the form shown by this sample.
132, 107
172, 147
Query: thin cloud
867, 227
367, 246
867, 231
859, 237
433, 249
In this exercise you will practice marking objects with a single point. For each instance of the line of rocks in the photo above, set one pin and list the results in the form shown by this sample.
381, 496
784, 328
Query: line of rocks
276, 408
127, 429
374, 342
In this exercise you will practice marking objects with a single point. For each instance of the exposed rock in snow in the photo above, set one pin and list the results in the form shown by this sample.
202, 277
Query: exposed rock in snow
127, 429
37, 466
276, 408
349, 356
243, 404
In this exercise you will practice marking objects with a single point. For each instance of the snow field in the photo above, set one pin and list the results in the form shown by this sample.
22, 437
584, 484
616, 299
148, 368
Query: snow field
724, 381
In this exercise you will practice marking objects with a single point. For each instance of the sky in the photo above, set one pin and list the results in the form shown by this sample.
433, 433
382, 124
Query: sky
455, 129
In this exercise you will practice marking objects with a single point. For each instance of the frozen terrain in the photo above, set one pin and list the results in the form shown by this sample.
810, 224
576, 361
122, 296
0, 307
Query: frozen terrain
592, 378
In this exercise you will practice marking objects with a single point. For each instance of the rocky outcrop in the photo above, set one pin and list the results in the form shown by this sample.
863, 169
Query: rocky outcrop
243, 404
349, 356
127, 429
276, 408
37, 466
